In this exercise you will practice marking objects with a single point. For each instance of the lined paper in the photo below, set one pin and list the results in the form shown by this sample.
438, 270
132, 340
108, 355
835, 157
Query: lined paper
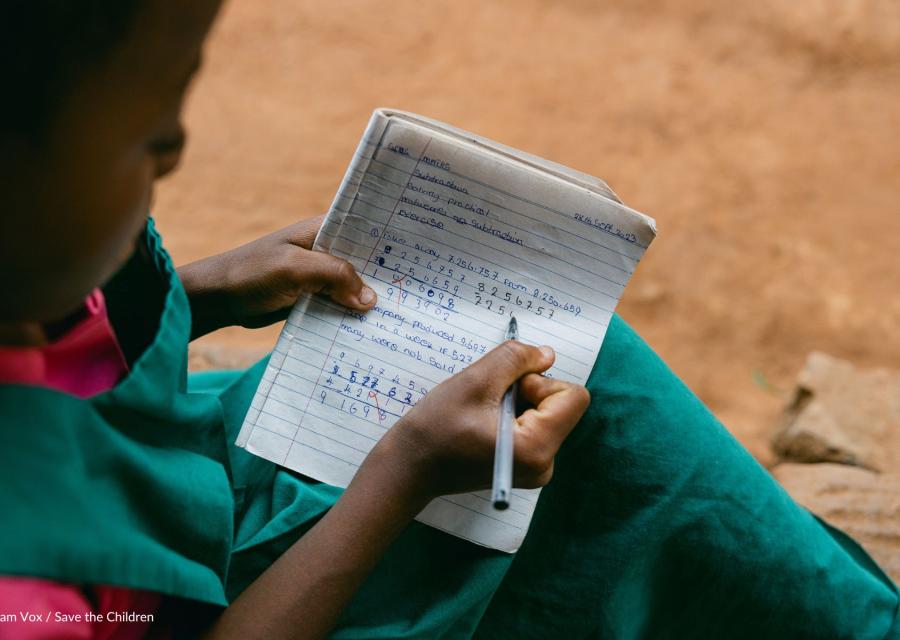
454, 233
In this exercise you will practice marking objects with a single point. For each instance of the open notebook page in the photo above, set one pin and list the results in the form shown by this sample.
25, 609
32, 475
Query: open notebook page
454, 233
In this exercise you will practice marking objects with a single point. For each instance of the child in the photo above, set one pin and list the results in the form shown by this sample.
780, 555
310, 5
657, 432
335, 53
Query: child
123, 494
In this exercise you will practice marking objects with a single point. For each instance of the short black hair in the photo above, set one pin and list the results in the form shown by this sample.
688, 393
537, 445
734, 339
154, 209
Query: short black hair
45, 47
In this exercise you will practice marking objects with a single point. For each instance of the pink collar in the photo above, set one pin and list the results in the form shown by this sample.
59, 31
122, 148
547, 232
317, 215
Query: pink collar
85, 361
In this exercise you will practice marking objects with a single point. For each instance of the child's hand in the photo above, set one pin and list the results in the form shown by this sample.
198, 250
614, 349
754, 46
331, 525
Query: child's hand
448, 438
257, 284
444, 445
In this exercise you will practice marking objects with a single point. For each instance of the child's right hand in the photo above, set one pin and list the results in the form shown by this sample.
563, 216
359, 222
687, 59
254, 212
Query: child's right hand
444, 445
448, 439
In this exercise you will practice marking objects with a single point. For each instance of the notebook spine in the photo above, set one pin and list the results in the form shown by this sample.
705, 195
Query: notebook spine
348, 190
331, 228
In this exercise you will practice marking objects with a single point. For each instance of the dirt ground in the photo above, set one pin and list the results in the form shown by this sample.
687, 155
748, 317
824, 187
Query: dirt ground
763, 139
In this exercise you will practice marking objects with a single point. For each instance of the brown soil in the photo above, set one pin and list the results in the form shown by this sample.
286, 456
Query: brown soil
763, 139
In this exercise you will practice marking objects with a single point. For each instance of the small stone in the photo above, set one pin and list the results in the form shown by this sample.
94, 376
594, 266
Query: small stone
649, 292
841, 414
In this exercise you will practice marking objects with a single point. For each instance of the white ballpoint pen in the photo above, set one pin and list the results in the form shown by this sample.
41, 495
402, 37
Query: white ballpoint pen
503, 452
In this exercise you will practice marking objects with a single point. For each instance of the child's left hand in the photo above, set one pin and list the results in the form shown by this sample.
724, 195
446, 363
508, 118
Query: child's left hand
257, 284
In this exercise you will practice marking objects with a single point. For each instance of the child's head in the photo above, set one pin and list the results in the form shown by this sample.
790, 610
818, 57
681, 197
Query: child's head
90, 117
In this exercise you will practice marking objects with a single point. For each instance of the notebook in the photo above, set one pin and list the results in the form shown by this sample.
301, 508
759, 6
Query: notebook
454, 233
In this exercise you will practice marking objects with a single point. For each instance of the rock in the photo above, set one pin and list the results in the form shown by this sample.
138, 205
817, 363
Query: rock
203, 356
841, 414
863, 504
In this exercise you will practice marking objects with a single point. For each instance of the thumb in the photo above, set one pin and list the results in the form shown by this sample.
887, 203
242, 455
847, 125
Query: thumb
336, 278
500, 367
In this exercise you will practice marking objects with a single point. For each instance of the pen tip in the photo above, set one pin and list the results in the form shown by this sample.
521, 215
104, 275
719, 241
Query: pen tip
512, 331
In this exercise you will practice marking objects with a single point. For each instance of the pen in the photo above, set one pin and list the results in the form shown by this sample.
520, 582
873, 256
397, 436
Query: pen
503, 452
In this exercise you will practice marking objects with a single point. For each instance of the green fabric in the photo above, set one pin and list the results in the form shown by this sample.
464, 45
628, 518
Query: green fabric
657, 523
127, 488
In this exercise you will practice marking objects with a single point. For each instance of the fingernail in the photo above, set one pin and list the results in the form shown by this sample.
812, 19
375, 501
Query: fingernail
548, 351
367, 296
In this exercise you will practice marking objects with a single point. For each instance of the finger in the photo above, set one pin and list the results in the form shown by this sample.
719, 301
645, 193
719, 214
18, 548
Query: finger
534, 388
337, 278
556, 414
507, 363
303, 233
